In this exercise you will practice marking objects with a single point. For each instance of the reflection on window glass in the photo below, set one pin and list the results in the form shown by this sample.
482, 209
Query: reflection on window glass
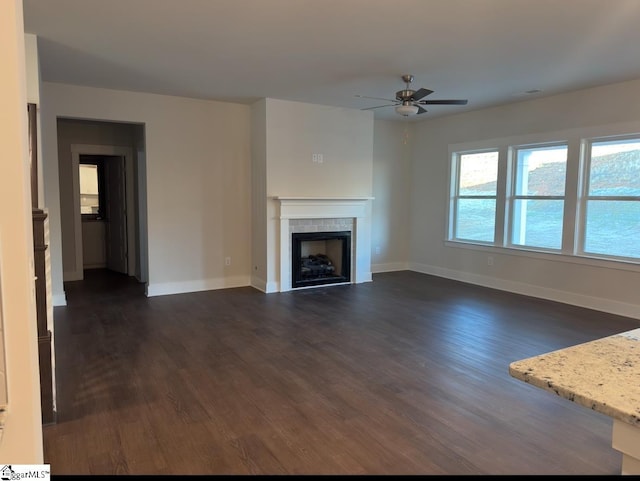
538, 223
615, 168
612, 217
476, 219
613, 228
475, 199
541, 171
478, 173
538, 196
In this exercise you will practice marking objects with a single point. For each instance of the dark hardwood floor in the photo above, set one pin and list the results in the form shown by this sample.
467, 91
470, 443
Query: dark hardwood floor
404, 375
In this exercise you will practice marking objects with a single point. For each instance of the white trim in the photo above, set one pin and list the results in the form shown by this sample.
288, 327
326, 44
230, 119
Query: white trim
114, 150
166, 288
580, 300
76, 274
59, 300
389, 267
72, 276
258, 283
266, 287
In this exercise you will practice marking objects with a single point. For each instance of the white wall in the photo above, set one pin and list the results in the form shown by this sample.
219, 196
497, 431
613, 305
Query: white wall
259, 195
344, 137
595, 286
22, 434
295, 131
197, 175
392, 143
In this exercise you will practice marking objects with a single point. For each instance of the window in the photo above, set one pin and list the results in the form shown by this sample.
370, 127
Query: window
611, 201
537, 201
574, 193
474, 202
91, 172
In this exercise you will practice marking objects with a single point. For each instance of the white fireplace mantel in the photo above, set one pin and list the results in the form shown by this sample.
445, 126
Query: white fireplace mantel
322, 207
357, 208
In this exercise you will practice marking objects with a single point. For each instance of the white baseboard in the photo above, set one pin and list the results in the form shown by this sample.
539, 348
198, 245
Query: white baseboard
366, 277
167, 288
389, 267
72, 276
259, 283
59, 299
580, 300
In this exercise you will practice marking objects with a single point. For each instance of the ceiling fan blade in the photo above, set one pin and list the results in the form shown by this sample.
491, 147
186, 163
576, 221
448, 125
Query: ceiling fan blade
443, 102
421, 110
379, 106
421, 93
374, 98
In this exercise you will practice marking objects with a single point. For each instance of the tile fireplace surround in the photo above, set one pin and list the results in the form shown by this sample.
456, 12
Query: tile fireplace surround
322, 214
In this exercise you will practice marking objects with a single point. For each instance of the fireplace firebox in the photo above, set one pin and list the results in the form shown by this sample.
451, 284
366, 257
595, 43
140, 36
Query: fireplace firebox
320, 258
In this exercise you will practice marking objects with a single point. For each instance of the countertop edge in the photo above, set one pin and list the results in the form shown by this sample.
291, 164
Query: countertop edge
548, 385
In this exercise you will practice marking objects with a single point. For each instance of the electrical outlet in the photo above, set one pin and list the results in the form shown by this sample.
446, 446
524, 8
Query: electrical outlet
314, 157
227, 261
377, 250
320, 158
490, 260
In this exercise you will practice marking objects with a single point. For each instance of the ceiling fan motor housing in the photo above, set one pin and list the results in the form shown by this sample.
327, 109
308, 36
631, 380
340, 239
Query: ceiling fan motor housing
405, 94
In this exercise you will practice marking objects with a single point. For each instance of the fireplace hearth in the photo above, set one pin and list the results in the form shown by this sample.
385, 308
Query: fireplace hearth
320, 258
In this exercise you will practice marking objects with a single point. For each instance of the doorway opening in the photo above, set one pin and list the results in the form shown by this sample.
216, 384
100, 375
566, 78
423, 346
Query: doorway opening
103, 211
102, 198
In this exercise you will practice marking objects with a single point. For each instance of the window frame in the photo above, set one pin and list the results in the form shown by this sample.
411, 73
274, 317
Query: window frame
455, 197
572, 251
512, 197
584, 197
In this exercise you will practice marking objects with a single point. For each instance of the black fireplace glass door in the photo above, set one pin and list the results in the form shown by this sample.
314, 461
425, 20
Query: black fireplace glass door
320, 258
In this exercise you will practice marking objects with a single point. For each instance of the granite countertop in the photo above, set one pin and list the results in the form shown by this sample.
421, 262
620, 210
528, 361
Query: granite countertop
603, 375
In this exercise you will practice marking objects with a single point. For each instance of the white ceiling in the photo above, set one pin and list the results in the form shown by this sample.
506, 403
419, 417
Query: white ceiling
329, 51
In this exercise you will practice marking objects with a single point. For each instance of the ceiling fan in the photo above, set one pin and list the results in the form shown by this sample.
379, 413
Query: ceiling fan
410, 102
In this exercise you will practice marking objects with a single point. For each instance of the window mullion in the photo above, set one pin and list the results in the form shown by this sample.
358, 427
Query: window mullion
501, 197
572, 197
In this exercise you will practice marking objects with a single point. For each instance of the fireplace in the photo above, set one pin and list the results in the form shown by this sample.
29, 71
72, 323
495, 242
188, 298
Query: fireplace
322, 215
319, 258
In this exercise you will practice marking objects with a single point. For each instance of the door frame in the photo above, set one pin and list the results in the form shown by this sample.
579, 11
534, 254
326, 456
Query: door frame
111, 150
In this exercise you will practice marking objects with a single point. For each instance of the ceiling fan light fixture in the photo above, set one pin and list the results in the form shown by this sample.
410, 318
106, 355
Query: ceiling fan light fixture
407, 110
